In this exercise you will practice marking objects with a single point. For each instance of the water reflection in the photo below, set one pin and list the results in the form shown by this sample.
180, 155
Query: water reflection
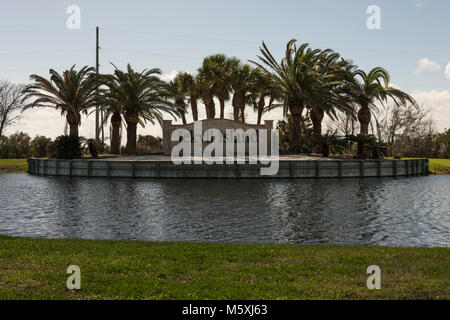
396, 212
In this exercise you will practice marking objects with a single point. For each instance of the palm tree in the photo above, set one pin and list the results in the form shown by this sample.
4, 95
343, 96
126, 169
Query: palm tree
190, 86
143, 96
178, 96
297, 74
241, 81
368, 88
332, 98
72, 93
113, 109
222, 68
262, 88
205, 79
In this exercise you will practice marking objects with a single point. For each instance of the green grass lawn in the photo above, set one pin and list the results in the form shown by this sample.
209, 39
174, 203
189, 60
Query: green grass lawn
36, 269
440, 166
13, 166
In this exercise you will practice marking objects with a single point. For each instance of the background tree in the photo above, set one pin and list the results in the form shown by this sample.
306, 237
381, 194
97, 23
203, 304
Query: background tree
10, 104
72, 93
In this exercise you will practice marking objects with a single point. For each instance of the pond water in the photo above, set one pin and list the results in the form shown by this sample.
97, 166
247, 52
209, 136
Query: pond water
391, 212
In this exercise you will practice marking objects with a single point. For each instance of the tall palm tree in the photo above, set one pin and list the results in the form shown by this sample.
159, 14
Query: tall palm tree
206, 82
72, 93
112, 109
263, 88
241, 81
333, 81
178, 95
143, 97
222, 68
190, 86
368, 88
297, 74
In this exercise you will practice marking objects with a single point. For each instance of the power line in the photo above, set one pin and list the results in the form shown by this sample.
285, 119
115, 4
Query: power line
44, 30
274, 43
43, 52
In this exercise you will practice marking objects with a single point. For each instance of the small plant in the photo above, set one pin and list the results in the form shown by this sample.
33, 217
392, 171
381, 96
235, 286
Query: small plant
332, 143
67, 147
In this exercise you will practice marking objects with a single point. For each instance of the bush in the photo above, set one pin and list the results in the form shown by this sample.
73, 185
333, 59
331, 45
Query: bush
66, 147
16, 146
39, 146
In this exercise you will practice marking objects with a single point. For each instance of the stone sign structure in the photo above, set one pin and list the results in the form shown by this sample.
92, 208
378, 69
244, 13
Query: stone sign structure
221, 124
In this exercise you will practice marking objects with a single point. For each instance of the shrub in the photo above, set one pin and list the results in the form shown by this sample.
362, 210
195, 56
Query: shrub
39, 146
67, 147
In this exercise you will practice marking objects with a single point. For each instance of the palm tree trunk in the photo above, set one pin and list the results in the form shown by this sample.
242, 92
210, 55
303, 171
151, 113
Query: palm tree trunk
235, 104
364, 117
194, 108
210, 106
132, 120
316, 118
222, 108
116, 120
238, 103
296, 143
73, 119
261, 104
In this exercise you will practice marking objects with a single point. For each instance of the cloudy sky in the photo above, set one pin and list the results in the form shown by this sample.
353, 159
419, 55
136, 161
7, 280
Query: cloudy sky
175, 35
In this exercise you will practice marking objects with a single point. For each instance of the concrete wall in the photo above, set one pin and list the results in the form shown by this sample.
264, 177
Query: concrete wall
288, 169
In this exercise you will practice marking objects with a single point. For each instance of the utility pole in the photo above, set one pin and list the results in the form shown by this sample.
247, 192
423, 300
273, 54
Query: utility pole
97, 127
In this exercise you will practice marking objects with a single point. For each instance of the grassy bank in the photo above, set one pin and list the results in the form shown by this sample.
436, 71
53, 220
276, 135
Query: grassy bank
13, 166
138, 270
440, 166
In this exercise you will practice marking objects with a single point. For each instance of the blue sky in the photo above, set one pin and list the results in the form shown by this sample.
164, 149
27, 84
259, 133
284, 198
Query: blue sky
413, 43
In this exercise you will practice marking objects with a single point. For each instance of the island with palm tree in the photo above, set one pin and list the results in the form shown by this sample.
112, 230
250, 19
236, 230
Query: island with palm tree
307, 84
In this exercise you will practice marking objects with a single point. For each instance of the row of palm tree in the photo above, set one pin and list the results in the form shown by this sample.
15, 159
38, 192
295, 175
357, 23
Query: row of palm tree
319, 82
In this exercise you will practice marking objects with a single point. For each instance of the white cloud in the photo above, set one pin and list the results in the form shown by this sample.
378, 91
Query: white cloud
426, 65
169, 76
438, 103
447, 71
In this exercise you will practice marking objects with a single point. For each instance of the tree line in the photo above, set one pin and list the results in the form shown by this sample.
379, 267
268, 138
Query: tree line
306, 83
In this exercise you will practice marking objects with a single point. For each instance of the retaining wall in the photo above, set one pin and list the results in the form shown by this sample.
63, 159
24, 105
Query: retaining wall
287, 169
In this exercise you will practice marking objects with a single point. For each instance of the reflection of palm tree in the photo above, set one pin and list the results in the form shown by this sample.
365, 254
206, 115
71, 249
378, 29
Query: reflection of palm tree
72, 93
143, 96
